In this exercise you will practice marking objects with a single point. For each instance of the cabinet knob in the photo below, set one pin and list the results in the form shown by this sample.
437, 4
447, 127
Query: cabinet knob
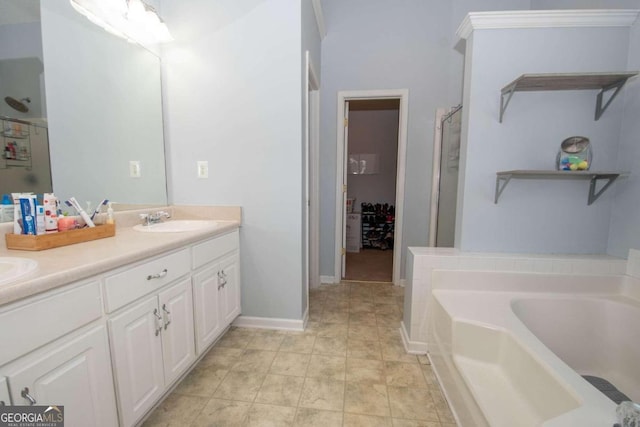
167, 319
158, 318
25, 393
160, 275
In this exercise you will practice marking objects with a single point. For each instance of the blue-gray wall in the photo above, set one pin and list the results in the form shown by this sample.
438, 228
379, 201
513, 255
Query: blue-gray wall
535, 216
233, 97
371, 45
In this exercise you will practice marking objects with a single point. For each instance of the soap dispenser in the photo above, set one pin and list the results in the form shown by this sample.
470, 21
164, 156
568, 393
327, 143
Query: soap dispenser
110, 218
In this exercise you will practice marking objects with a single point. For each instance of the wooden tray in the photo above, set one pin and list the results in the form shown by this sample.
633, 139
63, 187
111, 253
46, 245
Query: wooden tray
25, 242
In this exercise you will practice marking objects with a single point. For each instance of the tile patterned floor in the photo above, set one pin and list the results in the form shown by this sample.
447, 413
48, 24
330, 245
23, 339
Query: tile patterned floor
348, 368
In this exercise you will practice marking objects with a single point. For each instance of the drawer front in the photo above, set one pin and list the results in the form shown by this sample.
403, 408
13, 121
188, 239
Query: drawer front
134, 282
34, 324
210, 250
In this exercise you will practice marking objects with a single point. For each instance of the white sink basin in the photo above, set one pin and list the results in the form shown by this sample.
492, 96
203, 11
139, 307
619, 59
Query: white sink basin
13, 268
177, 226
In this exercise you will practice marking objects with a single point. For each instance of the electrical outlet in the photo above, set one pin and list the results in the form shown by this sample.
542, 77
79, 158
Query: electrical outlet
134, 169
203, 169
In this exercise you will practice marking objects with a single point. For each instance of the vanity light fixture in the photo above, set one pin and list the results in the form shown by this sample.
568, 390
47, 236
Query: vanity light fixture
133, 20
146, 24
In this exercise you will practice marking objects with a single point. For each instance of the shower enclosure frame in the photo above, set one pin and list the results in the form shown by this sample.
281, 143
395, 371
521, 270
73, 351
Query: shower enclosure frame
442, 114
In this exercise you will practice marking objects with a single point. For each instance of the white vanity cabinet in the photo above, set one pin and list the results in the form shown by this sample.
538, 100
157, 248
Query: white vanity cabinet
110, 347
206, 299
74, 371
152, 340
56, 352
216, 287
136, 349
230, 290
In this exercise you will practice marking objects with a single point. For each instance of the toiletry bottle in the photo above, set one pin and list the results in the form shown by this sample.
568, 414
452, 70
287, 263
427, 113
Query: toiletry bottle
40, 225
110, 218
17, 212
7, 209
28, 210
50, 212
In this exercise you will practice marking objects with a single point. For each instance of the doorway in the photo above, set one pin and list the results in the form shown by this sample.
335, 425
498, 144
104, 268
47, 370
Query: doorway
372, 129
372, 153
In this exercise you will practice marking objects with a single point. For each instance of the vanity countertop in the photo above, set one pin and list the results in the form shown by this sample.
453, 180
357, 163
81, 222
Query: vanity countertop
68, 264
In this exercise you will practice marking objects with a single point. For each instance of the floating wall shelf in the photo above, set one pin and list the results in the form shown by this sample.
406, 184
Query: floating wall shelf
605, 82
503, 178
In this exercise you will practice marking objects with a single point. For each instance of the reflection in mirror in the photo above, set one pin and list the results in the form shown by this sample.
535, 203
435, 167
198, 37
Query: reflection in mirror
24, 148
100, 97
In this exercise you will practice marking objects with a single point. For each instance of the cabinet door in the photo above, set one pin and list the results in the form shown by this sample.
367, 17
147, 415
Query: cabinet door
206, 303
230, 291
75, 373
136, 346
178, 348
5, 399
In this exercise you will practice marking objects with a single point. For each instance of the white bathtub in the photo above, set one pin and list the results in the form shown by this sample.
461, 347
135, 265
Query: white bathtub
594, 336
510, 349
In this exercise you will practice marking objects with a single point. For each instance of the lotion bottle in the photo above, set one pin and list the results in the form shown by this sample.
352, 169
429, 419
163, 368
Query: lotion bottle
110, 218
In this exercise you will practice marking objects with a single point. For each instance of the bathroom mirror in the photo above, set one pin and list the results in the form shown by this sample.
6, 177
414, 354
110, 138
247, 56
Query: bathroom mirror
103, 108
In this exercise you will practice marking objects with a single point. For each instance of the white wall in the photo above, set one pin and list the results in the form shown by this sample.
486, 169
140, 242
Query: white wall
233, 97
374, 132
535, 216
371, 44
625, 225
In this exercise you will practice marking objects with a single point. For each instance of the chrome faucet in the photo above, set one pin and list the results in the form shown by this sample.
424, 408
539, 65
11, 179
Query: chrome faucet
154, 217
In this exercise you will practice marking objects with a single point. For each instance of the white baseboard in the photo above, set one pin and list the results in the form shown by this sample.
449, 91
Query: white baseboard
412, 347
328, 279
271, 323
403, 282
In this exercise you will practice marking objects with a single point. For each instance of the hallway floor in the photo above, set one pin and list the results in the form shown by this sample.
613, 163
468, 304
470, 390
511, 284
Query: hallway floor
370, 265
348, 368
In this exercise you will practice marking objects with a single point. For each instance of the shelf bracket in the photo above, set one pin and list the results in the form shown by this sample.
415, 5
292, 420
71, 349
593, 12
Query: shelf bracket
617, 86
593, 194
508, 92
504, 180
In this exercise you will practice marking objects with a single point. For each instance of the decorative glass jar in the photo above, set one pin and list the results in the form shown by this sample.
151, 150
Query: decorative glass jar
574, 155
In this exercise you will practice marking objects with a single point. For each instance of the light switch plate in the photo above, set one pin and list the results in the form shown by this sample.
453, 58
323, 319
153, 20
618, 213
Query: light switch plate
134, 169
203, 169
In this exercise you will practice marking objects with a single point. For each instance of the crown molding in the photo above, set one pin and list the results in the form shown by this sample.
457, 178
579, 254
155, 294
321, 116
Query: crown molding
546, 19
